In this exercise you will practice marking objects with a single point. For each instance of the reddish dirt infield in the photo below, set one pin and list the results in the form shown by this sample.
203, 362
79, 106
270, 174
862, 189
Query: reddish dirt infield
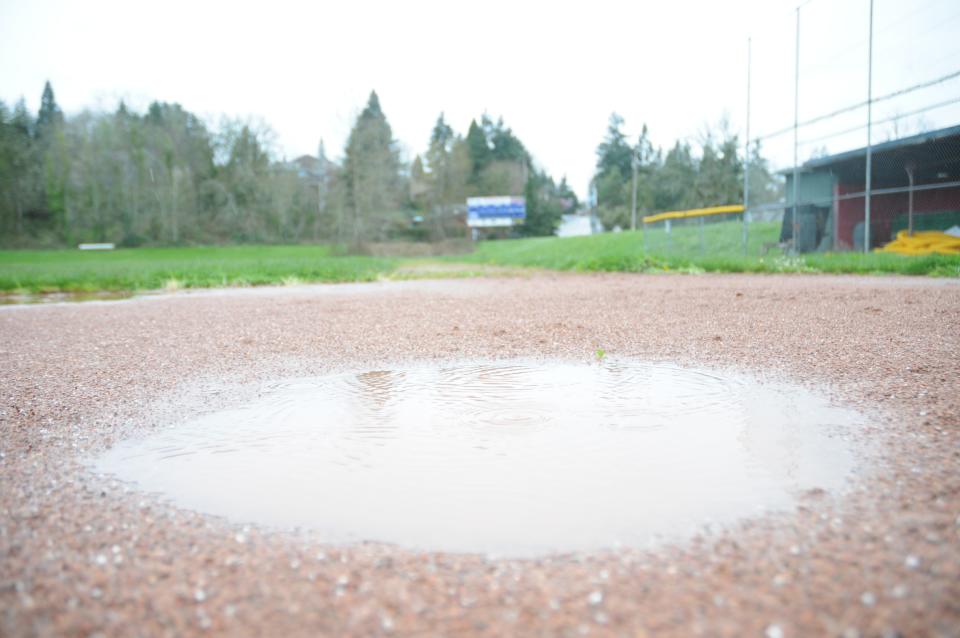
83, 555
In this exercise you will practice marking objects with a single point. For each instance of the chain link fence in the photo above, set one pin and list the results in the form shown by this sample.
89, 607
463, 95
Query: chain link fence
720, 235
856, 107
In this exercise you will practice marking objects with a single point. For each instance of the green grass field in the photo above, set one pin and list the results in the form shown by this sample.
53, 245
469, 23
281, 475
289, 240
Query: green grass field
200, 267
682, 251
30, 272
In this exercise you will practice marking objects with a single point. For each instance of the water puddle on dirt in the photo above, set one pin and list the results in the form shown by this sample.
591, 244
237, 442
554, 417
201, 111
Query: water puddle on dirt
517, 458
7, 299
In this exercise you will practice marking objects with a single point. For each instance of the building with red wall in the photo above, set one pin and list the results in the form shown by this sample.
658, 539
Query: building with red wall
924, 168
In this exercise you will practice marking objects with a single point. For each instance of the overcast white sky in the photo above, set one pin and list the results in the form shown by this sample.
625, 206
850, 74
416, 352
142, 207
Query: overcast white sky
554, 71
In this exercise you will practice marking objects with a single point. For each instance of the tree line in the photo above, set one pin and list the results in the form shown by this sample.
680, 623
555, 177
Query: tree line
157, 178
678, 179
166, 177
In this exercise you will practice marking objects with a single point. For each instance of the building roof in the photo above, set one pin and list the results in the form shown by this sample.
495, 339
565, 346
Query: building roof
310, 166
934, 156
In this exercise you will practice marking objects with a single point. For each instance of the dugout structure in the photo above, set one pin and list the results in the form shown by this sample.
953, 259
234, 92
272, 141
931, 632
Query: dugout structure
915, 187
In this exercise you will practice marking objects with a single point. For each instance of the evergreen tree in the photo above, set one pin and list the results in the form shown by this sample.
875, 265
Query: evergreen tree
442, 135
420, 186
673, 188
479, 149
445, 178
18, 169
765, 188
504, 145
54, 157
567, 197
613, 177
500, 162
372, 173
50, 116
720, 175
160, 178
544, 206
614, 153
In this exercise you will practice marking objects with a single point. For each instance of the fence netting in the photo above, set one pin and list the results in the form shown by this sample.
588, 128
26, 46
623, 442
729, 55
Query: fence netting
851, 174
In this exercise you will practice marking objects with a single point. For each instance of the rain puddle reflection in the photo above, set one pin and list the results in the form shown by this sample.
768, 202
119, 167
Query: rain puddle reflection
516, 458
13, 299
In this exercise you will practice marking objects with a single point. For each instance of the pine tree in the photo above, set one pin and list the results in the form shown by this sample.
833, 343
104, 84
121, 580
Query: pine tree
613, 177
720, 174
765, 187
567, 196
544, 206
372, 171
19, 170
420, 186
614, 153
442, 135
479, 148
673, 188
447, 173
505, 146
50, 116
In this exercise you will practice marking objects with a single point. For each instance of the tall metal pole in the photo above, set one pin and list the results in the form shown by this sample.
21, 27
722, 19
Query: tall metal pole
746, 162
910, 201
869, 184
796, 126
633, 199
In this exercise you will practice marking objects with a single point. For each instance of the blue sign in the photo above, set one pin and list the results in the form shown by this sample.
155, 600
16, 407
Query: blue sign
496, 211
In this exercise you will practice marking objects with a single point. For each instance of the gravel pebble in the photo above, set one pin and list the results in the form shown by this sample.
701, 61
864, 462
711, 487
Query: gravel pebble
77, 378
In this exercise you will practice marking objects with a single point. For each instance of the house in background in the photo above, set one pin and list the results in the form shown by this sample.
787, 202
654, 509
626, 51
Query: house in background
914, 177
311, 168
576, 225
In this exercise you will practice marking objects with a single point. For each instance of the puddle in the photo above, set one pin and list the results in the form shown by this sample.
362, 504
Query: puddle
14, 299
515, 458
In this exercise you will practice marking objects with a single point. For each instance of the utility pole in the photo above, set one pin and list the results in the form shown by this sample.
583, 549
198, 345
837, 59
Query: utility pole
869, 181
633, 199
746, 161
796, 125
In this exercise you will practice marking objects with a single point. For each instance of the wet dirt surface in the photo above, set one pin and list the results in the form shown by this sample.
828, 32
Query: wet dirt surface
84, 555
512, 459
13, 299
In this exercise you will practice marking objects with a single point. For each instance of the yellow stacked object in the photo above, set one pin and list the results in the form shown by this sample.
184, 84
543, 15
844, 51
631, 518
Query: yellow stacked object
928, 242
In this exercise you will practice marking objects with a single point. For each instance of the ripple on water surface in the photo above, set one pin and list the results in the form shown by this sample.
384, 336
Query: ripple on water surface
513, 458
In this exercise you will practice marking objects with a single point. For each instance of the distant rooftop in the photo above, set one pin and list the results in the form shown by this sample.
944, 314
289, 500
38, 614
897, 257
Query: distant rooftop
934, 155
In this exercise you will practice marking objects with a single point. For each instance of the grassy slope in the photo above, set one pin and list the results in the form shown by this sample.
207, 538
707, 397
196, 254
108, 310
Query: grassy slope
681, 252
152, 268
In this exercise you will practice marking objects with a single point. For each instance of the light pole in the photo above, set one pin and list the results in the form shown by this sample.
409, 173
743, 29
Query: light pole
746, 161
869, 168
796, 126
633, 199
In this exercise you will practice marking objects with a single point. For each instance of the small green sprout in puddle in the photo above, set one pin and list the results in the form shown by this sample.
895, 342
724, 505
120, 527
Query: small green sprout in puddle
601, 353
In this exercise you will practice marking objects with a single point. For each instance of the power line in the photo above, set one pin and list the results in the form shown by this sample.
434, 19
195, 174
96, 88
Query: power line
902, 34
952, 55
861, 43
912, 12
860, 105
899, 116
827, 201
